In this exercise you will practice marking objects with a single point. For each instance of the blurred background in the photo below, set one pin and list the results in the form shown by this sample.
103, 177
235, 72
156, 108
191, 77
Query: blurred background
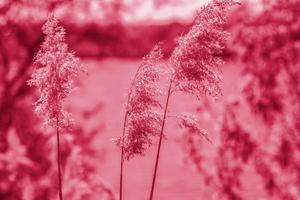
254, 126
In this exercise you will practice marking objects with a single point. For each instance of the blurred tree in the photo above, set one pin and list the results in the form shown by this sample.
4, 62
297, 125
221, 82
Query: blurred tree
27, 166
258, 142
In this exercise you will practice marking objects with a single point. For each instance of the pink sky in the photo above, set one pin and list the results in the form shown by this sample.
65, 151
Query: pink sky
137, 11
145, 11
148, 12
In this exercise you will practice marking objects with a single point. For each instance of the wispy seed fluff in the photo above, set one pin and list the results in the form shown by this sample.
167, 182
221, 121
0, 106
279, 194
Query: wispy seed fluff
195, 70
55, 70
143, 119
196, 59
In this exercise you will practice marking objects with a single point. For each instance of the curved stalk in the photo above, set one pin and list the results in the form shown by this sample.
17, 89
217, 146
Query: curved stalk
160, 142
122, 159
122, 142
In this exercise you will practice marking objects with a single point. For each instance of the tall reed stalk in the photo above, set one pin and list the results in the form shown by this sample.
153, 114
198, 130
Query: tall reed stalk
55, 71
140, 120
195, 70
160, 141
122, 159
126, 150
195, 63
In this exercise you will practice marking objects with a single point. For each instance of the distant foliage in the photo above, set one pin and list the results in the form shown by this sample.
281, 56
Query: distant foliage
272, 69
258, 151
81, 178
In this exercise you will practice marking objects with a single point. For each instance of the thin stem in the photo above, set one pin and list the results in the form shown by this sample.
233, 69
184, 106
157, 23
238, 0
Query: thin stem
121, 173
160, 141
58, 161
123, 137
122, 159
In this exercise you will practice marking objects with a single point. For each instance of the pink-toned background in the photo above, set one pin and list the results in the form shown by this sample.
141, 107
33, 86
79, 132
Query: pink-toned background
254, 125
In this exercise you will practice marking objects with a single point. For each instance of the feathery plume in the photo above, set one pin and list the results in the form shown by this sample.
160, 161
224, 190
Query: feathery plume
142, 110
54, 75
190, 122
196, 59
